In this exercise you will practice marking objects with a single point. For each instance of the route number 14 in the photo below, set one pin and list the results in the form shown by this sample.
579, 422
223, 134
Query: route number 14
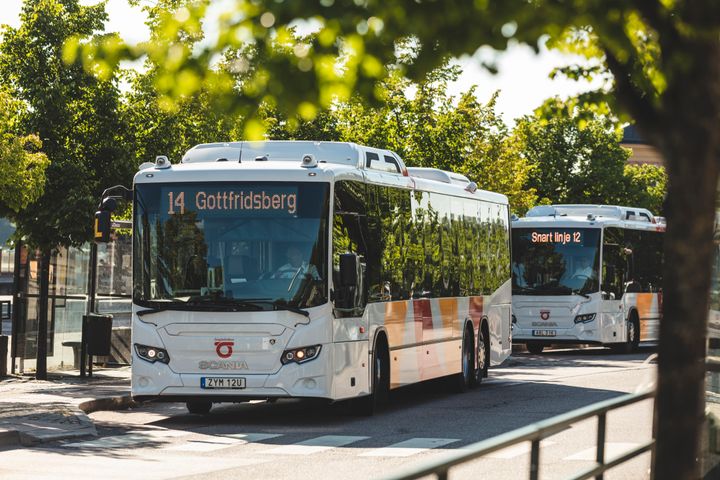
176, 201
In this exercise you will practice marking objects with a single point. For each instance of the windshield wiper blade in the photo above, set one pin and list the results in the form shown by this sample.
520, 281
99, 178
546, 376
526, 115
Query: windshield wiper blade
578, 292
290, 308
209, 301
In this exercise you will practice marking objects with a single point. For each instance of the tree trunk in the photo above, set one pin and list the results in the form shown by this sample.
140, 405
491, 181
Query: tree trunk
690, 210
42, 339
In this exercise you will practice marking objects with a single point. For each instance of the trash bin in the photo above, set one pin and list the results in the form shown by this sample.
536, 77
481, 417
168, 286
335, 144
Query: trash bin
98, 332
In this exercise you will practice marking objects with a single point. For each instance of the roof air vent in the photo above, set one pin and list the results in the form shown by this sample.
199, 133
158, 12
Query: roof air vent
471, 187
591, 217
261, 158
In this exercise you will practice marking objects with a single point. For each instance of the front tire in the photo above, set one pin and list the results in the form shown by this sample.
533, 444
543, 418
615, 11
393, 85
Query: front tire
380, 392
632, 340
535, 348
200, 407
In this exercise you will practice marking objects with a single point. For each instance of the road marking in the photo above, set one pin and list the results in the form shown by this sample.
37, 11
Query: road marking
210, 443
612, 450
315, 445
517, 450
409, 447
161, 433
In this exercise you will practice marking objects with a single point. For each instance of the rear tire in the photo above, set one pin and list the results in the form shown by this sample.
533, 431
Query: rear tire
535, 348
200, 407
380, 392
482, 356
463, 380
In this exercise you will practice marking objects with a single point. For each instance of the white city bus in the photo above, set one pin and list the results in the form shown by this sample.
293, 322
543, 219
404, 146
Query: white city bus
312, 269
587, 274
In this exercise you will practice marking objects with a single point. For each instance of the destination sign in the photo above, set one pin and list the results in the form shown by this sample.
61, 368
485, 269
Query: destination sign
564, 237
210, 200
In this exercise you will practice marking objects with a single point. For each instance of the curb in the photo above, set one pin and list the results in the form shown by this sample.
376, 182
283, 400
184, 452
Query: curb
9, 437
119, 402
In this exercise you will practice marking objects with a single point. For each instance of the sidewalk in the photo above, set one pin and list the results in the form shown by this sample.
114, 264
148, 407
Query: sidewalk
35, 411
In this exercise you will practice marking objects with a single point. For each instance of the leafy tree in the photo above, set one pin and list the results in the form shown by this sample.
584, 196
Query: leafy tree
646, 187
75, 115
576, 155
22, 164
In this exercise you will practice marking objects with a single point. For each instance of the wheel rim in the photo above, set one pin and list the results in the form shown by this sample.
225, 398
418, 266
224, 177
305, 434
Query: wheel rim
481, 355
631, 332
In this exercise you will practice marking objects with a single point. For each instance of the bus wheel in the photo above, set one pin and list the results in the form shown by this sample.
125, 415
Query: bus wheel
483, 357
370, 404
535, 348
467, 362
200, 407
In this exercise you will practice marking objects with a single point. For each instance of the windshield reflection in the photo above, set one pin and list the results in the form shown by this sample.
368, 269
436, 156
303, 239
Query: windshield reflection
555, 261
254, 246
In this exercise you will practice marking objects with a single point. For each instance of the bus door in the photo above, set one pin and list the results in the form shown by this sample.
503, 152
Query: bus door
612, 311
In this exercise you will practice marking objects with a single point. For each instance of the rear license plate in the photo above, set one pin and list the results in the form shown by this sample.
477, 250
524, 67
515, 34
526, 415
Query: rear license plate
543, 333
222, 382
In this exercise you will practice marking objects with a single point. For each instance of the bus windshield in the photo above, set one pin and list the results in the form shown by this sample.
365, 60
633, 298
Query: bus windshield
555, 261
230, 246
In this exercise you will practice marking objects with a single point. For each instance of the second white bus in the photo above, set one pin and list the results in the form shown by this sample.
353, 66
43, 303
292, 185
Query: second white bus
587, 274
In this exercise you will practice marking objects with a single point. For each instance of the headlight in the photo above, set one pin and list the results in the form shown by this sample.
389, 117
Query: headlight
152, 354
300, 355
585, 318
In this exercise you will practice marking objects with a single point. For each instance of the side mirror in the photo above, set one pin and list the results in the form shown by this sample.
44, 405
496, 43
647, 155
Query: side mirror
348, 270
102, 220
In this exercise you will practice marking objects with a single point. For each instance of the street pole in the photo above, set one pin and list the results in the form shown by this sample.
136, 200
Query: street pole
92, 283
18, 289
41, 364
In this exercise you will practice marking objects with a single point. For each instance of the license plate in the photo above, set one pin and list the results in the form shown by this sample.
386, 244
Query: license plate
222, 382
543, 333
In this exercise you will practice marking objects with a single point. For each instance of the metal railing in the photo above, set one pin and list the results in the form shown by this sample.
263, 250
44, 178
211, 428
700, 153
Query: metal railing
534, 434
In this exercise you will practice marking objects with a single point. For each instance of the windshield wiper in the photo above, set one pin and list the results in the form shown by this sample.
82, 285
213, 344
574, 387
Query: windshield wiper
521, 290
210, 301
278, 306
578, 292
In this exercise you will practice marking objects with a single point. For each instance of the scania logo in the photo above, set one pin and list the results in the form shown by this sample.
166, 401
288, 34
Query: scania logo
544, 314
224, 348
223, 365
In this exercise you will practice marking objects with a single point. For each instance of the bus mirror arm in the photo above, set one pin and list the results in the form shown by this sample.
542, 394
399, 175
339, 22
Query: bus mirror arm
608, 295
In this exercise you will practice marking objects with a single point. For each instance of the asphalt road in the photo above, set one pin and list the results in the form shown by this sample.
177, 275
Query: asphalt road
300, 439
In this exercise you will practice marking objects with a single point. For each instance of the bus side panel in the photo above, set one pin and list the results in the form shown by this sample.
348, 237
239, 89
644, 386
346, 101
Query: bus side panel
498, 308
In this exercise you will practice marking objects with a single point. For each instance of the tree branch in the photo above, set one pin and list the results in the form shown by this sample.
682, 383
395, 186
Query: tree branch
634, 99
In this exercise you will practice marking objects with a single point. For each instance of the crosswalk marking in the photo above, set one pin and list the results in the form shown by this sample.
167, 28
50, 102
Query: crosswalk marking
611, 450
517, 450
315, 445
409, 447
210, 443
